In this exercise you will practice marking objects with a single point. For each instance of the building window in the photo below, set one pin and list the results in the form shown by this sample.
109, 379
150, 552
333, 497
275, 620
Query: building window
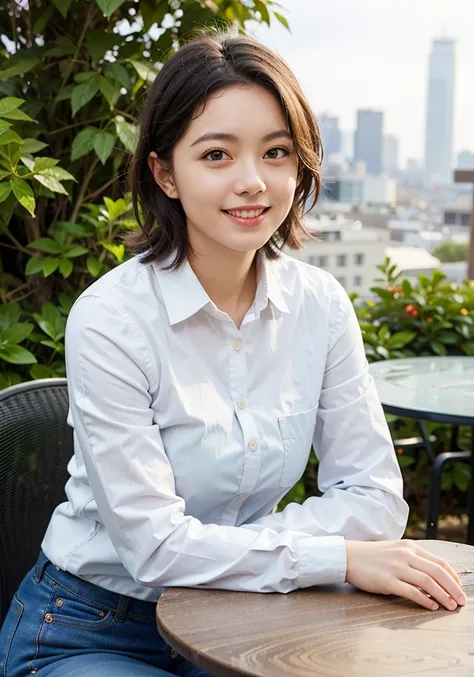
357, 281
312, 260
359, 259
341, 260
342, 280
323, 261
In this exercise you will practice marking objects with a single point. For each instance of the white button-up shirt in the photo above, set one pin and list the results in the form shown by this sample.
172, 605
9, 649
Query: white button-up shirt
188, 431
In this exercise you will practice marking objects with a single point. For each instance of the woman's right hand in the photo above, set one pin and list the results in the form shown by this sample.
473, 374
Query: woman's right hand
405, 569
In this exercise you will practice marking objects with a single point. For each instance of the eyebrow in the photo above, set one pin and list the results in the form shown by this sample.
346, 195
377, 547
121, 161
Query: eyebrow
221, 136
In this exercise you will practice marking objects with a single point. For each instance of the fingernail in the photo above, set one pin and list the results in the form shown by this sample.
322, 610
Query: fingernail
462, 599
435, 607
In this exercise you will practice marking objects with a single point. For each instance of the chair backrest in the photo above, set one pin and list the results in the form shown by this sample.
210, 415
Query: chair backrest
36, 445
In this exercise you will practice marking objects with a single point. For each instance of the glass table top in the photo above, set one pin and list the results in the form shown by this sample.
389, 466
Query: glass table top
434, 385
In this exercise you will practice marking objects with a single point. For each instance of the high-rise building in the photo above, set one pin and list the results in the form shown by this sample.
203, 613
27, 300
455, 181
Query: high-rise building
368, 140
439, 114
390, 154
330, 134
465, 160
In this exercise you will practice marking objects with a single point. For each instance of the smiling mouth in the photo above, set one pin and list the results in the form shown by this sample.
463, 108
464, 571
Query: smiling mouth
246, 213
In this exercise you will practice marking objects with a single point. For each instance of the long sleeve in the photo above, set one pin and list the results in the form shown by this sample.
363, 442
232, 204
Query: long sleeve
111, 379
358, 471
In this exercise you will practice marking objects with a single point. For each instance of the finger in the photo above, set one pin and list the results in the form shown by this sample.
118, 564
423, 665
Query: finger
439, 560
408, 591
429, 585
441, 575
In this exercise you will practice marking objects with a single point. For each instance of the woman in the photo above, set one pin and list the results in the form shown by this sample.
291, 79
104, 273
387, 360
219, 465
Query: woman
200, 374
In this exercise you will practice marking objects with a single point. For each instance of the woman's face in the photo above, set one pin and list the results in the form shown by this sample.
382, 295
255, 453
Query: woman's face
235, 161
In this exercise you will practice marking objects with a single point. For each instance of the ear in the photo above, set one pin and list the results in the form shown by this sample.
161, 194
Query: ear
162, 176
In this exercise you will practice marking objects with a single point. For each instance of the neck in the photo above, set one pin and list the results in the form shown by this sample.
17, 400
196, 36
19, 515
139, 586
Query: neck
229, 278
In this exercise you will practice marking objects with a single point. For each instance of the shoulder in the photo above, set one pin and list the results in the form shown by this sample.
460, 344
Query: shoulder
314, 293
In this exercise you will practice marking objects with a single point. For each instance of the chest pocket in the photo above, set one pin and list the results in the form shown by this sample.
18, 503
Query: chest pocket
297, 432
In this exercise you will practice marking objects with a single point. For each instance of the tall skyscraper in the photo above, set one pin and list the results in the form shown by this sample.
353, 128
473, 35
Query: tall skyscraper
330, 134
390, 154
368, 140
439, 114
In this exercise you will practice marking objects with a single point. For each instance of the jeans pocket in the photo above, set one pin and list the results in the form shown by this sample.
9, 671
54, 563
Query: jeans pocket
67, 608
297, 431
8, 630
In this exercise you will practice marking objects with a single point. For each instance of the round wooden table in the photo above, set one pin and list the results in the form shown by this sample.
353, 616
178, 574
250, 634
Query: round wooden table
334, 631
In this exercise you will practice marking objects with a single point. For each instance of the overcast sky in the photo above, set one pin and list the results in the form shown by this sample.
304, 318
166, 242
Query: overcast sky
351, 54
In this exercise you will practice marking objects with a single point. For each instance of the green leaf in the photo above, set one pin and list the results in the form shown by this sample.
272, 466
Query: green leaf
21, 188
94, 266
38, 371
57, 173
282, 20
103, 145
127, 133
99, 42
17, 333
116, 209
438, 348
85, 76
109, 6
118, 250
384, 294
9, 103
50, 265
65, 267
34, 266
63, 6
111, 91
64, 47
46, 244
75, 250
17, 355
407, 288
44, 163
144, 70
5, 190
18, 115
82, 94
42, 21
383, 352
9, 315
4, 124
448, 337
77, 228
32, 146
83, 143
51, 183
9, 136
51, 314
400, 339
29, 204
64, 94
66, 302
20, 68
119, 73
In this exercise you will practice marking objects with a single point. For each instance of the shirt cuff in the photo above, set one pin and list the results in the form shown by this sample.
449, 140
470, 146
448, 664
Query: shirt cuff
322, 561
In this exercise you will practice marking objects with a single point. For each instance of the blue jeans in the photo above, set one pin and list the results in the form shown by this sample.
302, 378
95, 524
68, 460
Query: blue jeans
61, 626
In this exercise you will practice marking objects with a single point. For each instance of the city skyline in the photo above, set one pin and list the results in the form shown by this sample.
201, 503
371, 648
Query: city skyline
366, 54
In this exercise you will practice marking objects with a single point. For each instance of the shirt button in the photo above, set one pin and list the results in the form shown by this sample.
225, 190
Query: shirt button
241, 404
253, 445
242, 497
174, 653
237, 345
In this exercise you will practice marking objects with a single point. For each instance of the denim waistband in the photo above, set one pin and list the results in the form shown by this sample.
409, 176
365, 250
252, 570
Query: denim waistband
121, 605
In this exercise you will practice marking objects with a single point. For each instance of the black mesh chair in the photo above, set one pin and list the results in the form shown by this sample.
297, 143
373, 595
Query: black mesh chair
36, 445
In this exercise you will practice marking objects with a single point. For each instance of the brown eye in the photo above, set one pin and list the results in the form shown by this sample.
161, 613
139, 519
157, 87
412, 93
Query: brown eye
214, 155
273, 153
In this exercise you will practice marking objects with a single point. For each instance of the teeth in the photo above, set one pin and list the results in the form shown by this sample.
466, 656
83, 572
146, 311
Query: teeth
246, 214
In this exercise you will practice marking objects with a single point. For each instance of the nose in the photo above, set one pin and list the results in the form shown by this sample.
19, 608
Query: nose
249, 180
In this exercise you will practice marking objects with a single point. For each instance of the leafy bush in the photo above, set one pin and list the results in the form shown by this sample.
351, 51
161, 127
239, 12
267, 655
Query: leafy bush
73, 75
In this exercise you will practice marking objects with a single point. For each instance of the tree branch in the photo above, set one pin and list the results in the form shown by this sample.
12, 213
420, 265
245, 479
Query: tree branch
96, 193
88, 20
82, 190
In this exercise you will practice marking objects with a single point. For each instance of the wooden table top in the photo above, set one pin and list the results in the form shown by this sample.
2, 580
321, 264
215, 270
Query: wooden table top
334, 631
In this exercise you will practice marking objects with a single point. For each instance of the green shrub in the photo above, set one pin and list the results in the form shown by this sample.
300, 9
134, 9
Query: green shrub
73, 76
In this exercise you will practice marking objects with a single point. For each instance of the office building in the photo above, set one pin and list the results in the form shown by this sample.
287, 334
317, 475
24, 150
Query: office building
368, 140
439, 113
330, 134
390, 159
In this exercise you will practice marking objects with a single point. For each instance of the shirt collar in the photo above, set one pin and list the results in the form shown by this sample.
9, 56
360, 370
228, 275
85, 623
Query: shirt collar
184, 295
